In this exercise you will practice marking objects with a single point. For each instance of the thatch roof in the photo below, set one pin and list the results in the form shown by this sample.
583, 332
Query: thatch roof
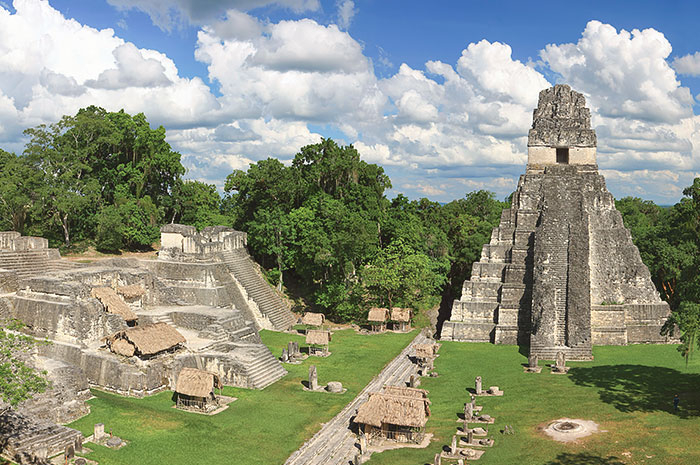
122, 347
313, 319
401, 314
405, 392
318, 337
113, 303
379, 315
148, 339
197, 383
382, 408
425, 350
131, 291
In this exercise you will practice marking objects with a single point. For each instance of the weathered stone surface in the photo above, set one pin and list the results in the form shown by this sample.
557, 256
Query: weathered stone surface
561, 119
560, 272
313, 378
334, 386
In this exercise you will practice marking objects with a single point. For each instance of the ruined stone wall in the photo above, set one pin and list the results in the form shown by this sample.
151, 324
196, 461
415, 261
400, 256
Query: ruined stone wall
111, 372
183, 243
187, 283
62, 318
8, 281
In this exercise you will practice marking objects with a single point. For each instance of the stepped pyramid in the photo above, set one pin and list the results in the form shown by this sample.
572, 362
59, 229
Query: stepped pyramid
561, 272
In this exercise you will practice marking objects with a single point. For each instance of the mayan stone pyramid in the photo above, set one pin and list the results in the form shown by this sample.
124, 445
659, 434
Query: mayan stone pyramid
561, 272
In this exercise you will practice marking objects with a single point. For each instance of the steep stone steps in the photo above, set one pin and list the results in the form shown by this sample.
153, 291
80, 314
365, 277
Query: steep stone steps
265, 369
268, 301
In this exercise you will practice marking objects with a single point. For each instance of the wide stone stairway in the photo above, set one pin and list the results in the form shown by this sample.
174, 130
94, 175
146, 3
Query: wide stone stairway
268, 301
33, 262
334, 444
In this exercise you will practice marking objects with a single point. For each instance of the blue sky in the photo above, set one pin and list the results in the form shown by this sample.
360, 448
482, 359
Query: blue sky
440, 93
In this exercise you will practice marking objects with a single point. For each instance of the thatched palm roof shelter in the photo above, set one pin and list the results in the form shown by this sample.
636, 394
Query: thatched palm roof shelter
318, 337
145, 340
378, 315
401, 315
425, 350
313, 319
197, 383
112, 303
405, 392
132, 291
387, 408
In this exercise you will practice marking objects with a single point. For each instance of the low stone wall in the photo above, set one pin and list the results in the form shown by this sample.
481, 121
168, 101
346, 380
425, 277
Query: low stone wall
14, 241
8, 281
110, 372
183, 243
63, 319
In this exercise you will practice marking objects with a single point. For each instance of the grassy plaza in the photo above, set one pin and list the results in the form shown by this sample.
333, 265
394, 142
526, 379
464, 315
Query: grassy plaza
628, 391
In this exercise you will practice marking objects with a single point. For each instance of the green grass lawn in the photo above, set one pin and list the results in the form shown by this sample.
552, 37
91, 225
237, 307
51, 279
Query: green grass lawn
261, 427
628, 391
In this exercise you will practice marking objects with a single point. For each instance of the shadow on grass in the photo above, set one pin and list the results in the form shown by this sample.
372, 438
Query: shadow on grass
584, 458
640, 388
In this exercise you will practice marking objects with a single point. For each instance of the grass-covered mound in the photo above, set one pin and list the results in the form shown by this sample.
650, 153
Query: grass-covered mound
628, 391
261, 427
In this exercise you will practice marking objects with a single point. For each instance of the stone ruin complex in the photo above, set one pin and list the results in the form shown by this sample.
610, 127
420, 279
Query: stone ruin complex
129, 326
560, 273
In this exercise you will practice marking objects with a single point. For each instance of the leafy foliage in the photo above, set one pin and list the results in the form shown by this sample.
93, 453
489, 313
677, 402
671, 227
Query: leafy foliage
325, 223
669, 243
18, 381
78, 175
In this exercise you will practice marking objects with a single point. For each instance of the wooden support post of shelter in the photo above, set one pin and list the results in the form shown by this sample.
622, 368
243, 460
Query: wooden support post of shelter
401, 319
395, 414
318, 341
377, 318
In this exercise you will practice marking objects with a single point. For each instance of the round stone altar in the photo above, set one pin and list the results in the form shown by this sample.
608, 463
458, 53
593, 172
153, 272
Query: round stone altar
566, 429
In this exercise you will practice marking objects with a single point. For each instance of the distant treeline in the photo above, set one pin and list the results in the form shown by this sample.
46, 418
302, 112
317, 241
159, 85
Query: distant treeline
323, 226
668, 239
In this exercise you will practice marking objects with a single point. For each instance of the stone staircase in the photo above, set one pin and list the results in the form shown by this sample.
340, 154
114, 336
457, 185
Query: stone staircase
33, 262
265, 297
28, 441
265, 369
259, 367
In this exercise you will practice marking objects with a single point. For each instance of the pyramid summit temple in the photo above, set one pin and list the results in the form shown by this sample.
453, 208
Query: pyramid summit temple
560, 273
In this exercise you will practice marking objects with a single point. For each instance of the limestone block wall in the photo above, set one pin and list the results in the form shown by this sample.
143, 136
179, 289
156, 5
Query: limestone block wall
188, 283
8, 281
109, 372
538, 157
62, 318
184, 243
7, 238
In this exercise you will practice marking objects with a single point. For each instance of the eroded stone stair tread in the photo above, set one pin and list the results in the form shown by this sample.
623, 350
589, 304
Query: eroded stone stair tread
269, 303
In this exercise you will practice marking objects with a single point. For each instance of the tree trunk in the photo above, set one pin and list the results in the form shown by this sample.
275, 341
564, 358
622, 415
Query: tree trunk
278, 235
66, 230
